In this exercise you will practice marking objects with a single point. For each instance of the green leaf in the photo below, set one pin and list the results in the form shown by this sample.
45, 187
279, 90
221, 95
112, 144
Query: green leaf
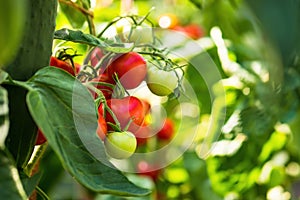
65, 111
30, 183
74, 16
10, 183
83, 38
4, 122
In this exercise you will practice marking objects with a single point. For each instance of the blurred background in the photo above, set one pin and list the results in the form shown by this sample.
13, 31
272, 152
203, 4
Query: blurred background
255, 46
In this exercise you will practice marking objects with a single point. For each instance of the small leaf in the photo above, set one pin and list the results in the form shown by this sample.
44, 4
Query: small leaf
10, 183
65, 112
83, 38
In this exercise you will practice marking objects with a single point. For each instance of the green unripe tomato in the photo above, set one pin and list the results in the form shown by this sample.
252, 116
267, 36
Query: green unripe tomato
139, 35
160, 82
120, 145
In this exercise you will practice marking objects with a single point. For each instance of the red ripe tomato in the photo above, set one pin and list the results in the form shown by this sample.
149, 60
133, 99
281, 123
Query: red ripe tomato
106, 90
131, 69
167, 131
126, 109
102, 127
41, 139
146, 169
192, 30
55, 62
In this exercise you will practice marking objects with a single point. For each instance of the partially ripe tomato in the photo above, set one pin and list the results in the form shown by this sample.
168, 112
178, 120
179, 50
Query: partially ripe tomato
167, 131
126, 109
41, 139
120, 145
160, 82
55, 62
131, 69
146, 169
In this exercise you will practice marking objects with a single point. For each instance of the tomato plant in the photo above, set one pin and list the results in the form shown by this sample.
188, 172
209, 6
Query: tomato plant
231, 97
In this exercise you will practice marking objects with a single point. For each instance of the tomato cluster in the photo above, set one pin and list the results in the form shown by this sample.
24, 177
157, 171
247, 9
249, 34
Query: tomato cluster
122, 118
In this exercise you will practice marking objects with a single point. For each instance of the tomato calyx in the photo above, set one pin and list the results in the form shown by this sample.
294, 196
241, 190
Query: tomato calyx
64, 60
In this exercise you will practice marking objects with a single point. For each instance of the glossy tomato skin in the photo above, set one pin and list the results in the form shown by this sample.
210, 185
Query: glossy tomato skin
131, 69
41, 139
160, 82
126, 109
120, 145
55, 62
167, 131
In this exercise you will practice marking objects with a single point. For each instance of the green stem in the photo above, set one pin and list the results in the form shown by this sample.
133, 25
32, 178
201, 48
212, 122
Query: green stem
107, 26
106, 107
42, 193
22, 84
